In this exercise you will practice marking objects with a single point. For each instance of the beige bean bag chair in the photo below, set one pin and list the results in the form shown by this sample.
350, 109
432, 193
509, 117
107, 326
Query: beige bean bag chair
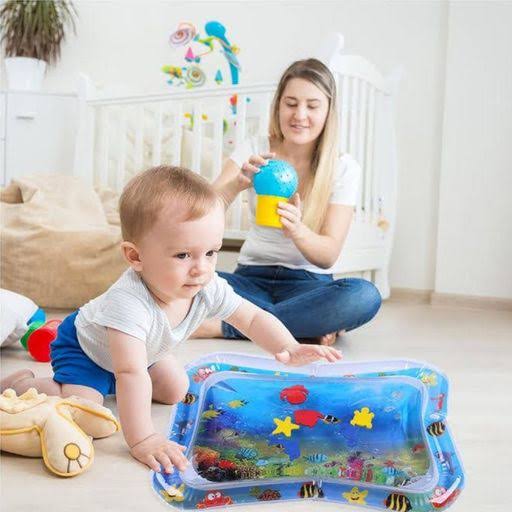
60, 240
57, 429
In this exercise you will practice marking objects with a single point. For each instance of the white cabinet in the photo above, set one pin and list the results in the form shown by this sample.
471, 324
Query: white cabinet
37, 133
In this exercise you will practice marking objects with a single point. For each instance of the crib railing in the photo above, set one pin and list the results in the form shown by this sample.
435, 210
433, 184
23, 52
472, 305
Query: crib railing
120, 136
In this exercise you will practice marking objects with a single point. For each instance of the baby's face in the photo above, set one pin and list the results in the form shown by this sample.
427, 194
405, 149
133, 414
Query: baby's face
179, 257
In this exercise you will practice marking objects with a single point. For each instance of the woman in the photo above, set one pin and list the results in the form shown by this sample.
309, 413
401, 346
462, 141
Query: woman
287, 271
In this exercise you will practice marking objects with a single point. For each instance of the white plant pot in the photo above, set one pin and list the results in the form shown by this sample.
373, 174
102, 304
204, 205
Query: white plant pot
24, 73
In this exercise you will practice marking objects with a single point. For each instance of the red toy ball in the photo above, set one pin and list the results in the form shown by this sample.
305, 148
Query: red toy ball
38, 343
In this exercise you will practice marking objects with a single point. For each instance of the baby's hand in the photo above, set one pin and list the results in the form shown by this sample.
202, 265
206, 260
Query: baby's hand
156, 451
252, 167
298, 355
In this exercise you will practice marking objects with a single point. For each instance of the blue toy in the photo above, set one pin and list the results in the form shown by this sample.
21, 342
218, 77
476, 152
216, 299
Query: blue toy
218, 30
276, 182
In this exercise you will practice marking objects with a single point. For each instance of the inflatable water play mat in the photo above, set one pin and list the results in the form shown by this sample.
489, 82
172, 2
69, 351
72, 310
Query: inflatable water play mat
371, 434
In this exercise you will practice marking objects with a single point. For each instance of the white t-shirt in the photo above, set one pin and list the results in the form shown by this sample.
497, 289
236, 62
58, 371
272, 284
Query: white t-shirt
268, 246
129, 307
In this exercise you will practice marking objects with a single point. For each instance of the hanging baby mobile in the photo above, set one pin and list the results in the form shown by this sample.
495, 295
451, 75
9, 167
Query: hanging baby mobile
196, 68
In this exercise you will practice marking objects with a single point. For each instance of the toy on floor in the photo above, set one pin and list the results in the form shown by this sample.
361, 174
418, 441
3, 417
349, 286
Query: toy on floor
276, 182
366, 434
57, 429
38, 338
23, 320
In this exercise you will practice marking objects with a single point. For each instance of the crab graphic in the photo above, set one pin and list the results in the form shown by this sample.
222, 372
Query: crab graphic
295, 394
214, 499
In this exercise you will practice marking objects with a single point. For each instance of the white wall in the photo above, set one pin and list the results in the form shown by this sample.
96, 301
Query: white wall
123, 44
474, 254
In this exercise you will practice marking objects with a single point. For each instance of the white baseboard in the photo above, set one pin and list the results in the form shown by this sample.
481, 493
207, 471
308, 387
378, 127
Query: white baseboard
410, 295
413, 296
470, 301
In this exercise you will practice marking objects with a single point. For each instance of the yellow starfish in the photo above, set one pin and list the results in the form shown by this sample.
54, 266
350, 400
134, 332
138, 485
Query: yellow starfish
173, 493
285, 427
356, 496
430, 379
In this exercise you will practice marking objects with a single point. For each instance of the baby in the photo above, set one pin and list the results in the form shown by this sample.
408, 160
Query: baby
123, 341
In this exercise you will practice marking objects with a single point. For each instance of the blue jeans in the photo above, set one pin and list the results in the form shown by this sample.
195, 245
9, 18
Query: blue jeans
308, 304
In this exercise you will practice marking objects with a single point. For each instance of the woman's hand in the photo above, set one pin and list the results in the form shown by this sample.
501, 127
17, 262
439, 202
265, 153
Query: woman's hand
250, 168
290, 216
298, 355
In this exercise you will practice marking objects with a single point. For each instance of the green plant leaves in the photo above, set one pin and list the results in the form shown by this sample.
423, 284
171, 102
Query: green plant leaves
36, 29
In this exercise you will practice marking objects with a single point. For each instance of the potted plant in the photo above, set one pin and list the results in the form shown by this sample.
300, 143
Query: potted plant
32, 34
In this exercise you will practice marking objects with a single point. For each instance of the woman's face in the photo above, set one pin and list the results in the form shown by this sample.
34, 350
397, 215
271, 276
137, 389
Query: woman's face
303, 109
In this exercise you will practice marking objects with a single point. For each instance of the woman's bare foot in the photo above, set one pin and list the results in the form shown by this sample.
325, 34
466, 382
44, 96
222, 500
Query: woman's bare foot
327, 339
11, 380
211, 328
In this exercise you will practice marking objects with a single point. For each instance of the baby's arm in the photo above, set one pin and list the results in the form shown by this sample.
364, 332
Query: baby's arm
133, 395
270, 334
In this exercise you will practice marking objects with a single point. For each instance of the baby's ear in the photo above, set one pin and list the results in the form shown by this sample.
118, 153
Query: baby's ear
132, 255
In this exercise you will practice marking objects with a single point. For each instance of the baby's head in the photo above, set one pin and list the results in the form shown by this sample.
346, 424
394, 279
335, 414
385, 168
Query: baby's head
172, 222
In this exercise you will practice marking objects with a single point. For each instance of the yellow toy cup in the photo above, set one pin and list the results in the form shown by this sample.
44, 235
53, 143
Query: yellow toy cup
266, 211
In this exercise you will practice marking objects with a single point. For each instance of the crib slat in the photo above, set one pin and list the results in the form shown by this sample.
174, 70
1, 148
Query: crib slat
264, 114
103, 146
352, 145
121, 158
157, 142
353, 117
197, 133
177, 133
370, 174
376, 172
139, 138
361, 148
344, 113
86, 152
241, 113
218, 137
358, 114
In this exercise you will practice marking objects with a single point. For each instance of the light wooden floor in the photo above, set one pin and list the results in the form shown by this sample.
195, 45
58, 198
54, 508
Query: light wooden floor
473, 347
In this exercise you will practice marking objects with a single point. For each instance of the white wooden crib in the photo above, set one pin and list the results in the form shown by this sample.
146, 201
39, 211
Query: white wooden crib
119, 136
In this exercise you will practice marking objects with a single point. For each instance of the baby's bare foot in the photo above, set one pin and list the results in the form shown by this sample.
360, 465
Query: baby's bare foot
11, 380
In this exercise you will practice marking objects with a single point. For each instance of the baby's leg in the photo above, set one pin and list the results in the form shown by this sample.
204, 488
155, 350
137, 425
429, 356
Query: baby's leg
170, 381
23, 380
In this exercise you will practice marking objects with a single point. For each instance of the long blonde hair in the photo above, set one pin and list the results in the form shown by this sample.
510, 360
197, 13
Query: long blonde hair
325, 153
